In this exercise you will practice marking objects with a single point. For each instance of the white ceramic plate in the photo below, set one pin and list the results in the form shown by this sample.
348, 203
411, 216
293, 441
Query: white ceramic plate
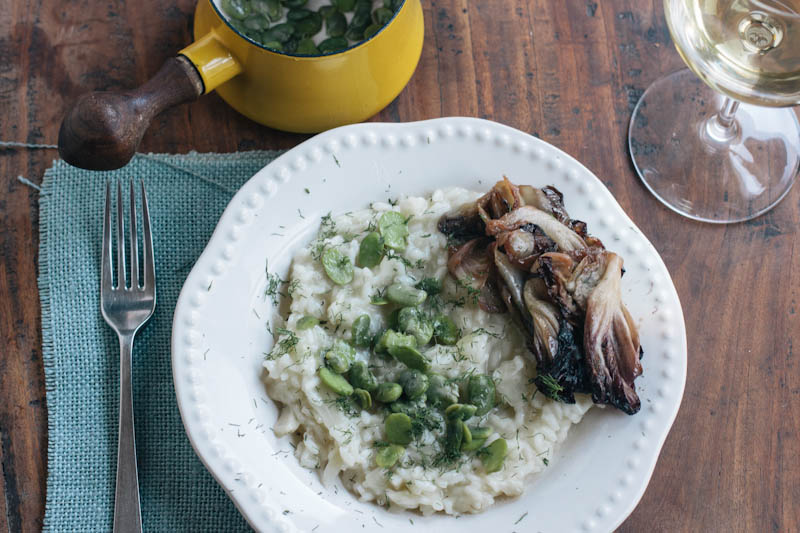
219, 335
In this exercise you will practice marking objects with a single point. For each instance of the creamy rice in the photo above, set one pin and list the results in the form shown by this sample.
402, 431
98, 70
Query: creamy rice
339, 441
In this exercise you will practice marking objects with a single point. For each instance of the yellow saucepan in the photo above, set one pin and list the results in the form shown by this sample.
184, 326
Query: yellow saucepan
291, 93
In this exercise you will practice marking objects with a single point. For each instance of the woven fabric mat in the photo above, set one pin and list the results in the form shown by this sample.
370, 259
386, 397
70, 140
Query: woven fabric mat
187, 194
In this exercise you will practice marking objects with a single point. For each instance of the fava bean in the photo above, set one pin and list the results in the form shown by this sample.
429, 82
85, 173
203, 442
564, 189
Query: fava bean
472, 446
387, 456
398, 428
414, 383
291, 4
480, 433
394, 340
340, 356
307, 322
480, 393
344, 5
410, 407
336, 26
370, 251
361, 336
307, 47
445, 330
409, 357
454, 436
459, 411
363, 398
273, 45
327, 11
361, 377
237, 9
441, 393
405, 295
412, 321
257, 23
371, 30
308, 26
332, 44
392, 225
335, 382
336, 264
280, 32
382, 15
493, 455
388, 392
467, 435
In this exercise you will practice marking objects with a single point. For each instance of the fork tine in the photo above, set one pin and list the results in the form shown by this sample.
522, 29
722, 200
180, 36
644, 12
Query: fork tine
105, 269
147, 245
120, 240
134, 243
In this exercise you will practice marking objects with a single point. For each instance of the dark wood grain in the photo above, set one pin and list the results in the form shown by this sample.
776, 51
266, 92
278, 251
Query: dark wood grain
568, 72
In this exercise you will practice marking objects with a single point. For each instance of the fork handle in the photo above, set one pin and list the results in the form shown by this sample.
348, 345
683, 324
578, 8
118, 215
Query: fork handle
127, 511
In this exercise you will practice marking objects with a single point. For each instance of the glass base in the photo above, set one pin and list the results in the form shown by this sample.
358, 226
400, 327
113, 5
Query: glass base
701, 171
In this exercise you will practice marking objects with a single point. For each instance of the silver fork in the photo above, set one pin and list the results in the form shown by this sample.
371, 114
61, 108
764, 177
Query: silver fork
126, 309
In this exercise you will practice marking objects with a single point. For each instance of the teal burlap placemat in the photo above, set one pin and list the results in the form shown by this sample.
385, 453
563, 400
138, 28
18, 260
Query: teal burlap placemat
187, 194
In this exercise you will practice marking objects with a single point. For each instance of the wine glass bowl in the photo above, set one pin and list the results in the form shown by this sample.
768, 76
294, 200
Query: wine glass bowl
719, 143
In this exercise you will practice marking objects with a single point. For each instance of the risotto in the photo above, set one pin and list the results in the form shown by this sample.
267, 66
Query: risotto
429, 402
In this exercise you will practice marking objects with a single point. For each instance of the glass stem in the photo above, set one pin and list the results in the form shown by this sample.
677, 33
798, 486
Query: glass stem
722, 127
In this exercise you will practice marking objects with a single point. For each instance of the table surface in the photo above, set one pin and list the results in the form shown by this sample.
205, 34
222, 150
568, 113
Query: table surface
568, 72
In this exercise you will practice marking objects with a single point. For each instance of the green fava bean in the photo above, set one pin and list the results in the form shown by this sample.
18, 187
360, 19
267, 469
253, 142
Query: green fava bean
363, 398
337, 265
298, 14
237, 9
467, 435
445, 331
371, 30
454, 436
271, 8
414, 383
409, 357
340, 356
332, 45
307, 47
392, 225
398, 428
389, 455
308, 26
280, 32
405, 295
336, 24
335, 382
480, 393
382, 15
307, 322
361, 336
410, 408
344, 5
273, 45
256, 22
493, 455
459, 411
370, 251
327, 11
361, 377
354, 34
388, 392
294, 3
441, 393
412, 321
480, 433
472, 446
290, 46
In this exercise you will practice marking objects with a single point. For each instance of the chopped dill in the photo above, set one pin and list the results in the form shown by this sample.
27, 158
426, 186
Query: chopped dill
483, 331
391, 254
337, 161
472, 292
300, 213
285, 346
346, 405
550, 385
521, 518
274, 283
545, 461
292, 288
308, 191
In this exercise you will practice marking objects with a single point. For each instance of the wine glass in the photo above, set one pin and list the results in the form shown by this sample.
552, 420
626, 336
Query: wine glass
723, 157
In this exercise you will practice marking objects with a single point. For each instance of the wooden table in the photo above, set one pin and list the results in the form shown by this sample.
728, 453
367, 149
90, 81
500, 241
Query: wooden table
567, 71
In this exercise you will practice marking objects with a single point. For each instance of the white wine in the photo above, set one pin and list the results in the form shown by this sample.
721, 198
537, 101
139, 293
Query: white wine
747, 49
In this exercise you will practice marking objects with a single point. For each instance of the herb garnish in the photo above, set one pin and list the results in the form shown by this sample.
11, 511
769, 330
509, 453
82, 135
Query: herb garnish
286, 345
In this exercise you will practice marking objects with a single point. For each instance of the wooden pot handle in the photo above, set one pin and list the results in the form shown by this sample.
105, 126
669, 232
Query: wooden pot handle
103, 129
